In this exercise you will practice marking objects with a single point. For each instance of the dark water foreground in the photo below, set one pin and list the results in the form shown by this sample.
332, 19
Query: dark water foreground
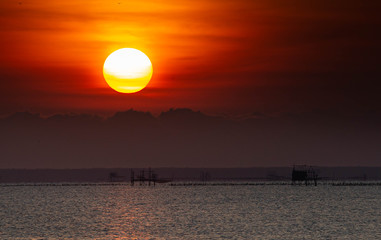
261, 211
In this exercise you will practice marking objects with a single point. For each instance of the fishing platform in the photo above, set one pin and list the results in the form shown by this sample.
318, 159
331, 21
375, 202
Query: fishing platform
147, 177
304, 173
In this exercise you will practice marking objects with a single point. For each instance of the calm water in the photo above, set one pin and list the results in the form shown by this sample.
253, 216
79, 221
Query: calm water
184, 212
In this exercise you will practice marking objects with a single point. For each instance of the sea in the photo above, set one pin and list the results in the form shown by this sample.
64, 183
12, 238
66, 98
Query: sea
190, 211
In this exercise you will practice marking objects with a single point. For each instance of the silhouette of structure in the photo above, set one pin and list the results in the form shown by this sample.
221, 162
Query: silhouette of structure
204, 177
151, 178
304, 173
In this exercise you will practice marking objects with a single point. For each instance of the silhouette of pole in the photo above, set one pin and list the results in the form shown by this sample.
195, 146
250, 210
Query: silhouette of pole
132, 177
149, 176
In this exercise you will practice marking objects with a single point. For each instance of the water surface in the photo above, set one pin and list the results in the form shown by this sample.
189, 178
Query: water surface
190, 212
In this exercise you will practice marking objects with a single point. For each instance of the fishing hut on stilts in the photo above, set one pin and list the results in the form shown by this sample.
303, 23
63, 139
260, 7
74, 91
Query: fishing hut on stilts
143, 178
304, 173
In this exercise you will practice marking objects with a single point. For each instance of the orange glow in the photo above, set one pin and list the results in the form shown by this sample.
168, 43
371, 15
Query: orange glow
207, 54
127, 70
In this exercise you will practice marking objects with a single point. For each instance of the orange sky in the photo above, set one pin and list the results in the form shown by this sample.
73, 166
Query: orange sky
215, 56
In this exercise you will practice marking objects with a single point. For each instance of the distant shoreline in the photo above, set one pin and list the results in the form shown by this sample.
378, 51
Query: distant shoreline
255, 174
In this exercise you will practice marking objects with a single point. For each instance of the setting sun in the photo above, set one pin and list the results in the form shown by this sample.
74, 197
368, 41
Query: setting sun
127, 70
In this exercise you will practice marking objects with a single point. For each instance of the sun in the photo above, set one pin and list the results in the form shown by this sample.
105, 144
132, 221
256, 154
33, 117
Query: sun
127, 70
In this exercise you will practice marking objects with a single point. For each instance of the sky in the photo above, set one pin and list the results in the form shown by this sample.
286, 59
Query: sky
252, 82
220, 57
